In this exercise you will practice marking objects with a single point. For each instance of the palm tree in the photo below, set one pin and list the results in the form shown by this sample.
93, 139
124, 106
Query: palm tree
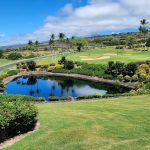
36, 44
51, 42
143, 29
61, 36
52, 36
30, 43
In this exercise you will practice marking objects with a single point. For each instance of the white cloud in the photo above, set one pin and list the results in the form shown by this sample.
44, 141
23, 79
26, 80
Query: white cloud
97, 16
2, 35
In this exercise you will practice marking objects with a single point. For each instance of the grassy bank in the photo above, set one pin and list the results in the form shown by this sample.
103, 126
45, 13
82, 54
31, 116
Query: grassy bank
119, 124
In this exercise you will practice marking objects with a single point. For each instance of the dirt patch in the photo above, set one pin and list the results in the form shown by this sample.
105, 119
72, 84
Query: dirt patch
15, 139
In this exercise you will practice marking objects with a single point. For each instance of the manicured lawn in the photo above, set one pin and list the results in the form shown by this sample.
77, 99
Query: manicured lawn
5, 62
119, 124
99, 56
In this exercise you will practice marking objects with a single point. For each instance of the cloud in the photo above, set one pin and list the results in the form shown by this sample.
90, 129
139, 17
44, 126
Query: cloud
97, 16
2, 35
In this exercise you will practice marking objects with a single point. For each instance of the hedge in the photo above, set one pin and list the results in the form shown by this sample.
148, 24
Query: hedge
16, 117
11, 97
54, 98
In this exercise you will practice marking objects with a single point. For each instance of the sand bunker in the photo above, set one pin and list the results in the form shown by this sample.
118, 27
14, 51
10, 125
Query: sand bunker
110, 54
104, 56
100, 58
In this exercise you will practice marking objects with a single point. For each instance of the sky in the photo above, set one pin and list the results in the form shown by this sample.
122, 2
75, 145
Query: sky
24, 20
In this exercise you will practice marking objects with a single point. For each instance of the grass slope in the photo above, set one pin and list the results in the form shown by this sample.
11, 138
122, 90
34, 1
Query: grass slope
119, 124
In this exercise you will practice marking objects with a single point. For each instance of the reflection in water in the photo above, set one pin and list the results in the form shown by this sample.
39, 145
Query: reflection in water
58, 86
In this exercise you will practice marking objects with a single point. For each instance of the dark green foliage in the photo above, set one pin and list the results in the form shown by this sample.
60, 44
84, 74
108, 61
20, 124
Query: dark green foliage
1, 54
115, 69
54, 98
31, 65
12, 72
2, 87
63, 60
118, 68
16, 117
14, 56
148, 42
130, 69
86, 96
69, 65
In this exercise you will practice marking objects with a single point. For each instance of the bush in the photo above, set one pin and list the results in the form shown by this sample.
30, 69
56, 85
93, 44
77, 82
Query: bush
2, 76
143, 68
16, 117
135, 78
51, 68
69, 65
31, 65
120, 77
11, 97
14, 56
86, 96
2, 87
12, 72
127, 78
64, 98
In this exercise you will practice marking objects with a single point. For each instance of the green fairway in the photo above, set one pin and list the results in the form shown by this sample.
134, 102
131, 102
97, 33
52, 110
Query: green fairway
99, 56
116, 124
5, 62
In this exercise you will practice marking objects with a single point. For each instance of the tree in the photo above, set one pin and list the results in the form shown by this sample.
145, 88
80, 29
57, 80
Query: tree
30, 43
31, 65
148, 42
131, 41
143, 29
63, 60
1, 54
51, 42
14, 56
80, 43
61, 36
52, 37
36, 44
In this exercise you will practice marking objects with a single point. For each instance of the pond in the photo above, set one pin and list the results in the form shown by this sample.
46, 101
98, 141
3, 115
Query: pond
58, 86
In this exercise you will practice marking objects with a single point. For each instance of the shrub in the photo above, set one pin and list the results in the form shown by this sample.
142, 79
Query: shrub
133, 93
69, 65
143, 76
53, 98
51, 68
120, 77
86, 96
11, 97
16, 117
143, 68
64, 98
63, 60
31, 65
14, 56
135, 78
12, 72
147, 86
2, 76
2, 87
127, 78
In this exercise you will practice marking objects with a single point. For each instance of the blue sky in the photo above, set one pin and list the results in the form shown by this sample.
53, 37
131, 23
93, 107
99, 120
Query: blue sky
23, 20
19, 17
